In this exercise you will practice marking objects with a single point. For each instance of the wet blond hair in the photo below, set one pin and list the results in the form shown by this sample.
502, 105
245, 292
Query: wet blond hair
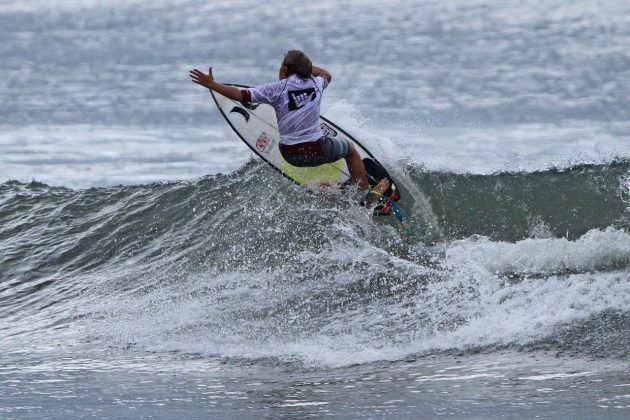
298, 63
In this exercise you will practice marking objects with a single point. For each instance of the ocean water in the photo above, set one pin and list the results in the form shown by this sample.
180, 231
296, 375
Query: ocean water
151, 267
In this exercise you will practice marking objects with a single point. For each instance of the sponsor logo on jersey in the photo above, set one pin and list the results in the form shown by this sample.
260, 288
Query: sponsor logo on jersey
299, 98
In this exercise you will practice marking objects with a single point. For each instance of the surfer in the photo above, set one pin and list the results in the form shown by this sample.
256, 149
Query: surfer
296, 98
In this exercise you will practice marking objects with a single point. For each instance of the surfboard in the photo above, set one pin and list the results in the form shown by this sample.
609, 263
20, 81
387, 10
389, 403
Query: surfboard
256, 126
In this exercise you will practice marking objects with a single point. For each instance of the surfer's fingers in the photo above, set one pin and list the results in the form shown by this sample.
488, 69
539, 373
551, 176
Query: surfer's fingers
196, 76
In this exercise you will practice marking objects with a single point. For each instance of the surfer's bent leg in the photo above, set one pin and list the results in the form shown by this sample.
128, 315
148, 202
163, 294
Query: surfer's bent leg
356, 168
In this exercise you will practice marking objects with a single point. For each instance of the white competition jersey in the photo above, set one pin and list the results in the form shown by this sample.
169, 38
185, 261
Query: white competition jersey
297, 103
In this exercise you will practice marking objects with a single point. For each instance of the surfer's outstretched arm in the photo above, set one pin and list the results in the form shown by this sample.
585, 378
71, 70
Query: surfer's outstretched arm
208, 81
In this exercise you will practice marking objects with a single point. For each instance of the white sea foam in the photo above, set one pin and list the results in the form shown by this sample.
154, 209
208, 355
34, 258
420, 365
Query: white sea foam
595, 250
97, 155
508, 148
465, 303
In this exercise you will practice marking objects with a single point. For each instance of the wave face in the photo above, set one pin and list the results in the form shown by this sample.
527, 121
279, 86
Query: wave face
249, 266
565, 202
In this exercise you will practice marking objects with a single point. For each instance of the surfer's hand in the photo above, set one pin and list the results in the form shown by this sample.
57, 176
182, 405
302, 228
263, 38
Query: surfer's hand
201, 78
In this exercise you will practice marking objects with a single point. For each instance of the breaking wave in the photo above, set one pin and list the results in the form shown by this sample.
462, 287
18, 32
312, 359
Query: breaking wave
248, 266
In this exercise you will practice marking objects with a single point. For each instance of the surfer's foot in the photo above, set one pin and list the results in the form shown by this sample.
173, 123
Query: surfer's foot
375, 198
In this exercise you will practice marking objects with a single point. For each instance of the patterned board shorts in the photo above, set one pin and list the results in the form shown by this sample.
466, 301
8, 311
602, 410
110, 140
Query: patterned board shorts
315, 153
